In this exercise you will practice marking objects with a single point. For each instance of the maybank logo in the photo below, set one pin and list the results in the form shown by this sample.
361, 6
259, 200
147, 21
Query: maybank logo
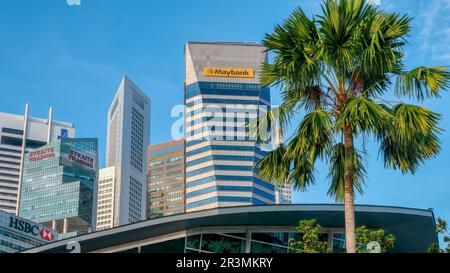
228, 72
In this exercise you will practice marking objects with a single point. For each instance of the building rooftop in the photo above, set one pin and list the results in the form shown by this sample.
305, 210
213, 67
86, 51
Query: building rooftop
242, 43
414, 229
37, 120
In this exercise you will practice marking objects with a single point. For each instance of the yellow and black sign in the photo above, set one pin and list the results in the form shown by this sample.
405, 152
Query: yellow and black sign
228, 72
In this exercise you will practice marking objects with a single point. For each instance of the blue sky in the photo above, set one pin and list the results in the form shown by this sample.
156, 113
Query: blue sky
73, 57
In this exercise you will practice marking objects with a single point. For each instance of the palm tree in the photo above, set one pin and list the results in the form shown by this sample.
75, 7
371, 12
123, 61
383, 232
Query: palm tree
334, 69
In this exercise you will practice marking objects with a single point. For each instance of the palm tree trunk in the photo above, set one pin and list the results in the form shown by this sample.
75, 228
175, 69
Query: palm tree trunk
349, 199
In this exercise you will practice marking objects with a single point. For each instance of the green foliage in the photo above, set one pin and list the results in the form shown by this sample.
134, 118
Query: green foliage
423, 82
337, 169
309, 242
335, 67
442, 229
410, 137
363, 115
364, 236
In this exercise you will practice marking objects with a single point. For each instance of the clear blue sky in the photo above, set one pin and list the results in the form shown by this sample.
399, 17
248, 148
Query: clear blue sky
73, 57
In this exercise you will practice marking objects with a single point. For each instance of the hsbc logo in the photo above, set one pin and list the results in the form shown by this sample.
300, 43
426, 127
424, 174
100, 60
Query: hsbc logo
47, 234
34, 230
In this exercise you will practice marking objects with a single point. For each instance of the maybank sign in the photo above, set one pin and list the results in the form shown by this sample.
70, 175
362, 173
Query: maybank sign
228, 72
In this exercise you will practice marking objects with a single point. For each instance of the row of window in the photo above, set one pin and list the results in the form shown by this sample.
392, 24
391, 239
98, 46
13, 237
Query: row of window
166, 150
219, 168
215, 199
231, 188
224, 101
222, 88
224, 120
230, 178
221, 157
207, 110
226, 148
168, 160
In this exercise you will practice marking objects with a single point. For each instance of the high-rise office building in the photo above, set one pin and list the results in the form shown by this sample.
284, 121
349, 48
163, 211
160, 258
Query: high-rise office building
283, 194
166, 187
13, 129
106, 196
127, 141
222, 95
59, 185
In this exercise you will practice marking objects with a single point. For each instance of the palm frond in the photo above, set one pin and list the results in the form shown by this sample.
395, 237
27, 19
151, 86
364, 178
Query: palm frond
314, 132
337, 172
306, 97
261, 127
423, 82
339, 28
362, 115
295, 44
275, 166
410, 137
311, 140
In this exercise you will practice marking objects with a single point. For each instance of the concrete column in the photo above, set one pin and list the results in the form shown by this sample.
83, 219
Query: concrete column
330, 240
22, 155
248, 242
65, 226
54, 226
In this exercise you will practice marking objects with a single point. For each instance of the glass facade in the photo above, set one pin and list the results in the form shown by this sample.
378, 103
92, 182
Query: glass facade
205, 158
166, 185
233, 242
59, 184
221, 148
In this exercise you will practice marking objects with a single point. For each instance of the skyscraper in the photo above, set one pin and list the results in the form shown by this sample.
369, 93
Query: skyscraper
283, 194
166, 187
13, 129
106, 195
59, 185
127, 141
222, 95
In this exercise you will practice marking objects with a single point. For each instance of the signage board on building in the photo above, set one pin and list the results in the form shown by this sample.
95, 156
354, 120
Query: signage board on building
31, 229
41, 154
229, 72
81, 159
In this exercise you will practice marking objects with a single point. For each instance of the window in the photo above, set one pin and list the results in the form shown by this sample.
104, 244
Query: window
12, 131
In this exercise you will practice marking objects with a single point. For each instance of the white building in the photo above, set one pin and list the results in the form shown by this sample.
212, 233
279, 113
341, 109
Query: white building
105, 204
222, 95
283, 194
13, 129
127, 141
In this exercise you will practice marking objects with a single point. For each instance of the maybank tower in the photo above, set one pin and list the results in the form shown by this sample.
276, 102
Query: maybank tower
222, 96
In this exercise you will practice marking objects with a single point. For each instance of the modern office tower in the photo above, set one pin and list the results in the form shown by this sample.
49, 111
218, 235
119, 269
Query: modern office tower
127, 141
222, 95
283, 194
106, 196
18, 234
166, 187
13, 129
59, 185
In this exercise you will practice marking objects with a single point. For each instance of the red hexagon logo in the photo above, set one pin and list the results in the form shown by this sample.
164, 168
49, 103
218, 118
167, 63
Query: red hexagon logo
47, 235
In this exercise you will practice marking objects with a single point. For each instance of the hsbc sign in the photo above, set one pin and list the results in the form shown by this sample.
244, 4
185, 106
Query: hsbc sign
32, 229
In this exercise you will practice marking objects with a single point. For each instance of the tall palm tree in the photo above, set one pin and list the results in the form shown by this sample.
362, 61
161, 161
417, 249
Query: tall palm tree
334, 69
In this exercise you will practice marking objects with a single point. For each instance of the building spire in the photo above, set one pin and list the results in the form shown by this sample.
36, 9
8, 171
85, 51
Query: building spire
22, 154
50, 121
